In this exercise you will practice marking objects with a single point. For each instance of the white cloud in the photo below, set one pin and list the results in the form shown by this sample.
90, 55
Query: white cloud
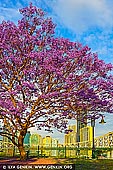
102, 43
80, 15
11, 14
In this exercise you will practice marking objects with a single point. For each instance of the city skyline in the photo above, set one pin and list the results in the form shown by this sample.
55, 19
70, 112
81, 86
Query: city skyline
46, 146
100, 129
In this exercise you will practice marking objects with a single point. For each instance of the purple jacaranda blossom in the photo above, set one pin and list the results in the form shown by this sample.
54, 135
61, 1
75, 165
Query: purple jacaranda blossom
46, 78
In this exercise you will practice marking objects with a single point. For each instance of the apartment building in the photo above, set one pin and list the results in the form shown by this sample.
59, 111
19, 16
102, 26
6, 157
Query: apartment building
105, 141
70, 141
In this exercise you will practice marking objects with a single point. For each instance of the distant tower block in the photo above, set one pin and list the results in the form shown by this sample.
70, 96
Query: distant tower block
81, 122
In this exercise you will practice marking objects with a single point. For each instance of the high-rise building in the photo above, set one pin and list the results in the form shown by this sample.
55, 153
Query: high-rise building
36, 144
86, 138
47, 144
35, 140
70, 141
105, 141
7, 147
81, 122
54, 147
70, 138
27, 138
86, 134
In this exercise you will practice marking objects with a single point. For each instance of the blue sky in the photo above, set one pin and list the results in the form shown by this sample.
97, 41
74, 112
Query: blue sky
88, 22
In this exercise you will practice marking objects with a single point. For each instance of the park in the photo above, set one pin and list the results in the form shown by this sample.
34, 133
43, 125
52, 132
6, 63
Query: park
46, 81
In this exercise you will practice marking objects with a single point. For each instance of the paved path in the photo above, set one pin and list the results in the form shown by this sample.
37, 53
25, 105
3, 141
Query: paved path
30, 161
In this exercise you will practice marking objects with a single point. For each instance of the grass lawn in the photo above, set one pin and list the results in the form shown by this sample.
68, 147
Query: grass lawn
79, 164
102, 164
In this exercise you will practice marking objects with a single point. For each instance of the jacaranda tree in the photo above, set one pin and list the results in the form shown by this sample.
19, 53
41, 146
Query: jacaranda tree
46, 80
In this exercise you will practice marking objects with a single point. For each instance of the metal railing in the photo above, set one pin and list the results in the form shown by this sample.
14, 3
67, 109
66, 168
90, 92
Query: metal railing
81, 149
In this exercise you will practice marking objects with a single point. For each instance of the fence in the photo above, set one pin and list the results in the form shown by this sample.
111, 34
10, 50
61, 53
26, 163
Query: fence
57, 152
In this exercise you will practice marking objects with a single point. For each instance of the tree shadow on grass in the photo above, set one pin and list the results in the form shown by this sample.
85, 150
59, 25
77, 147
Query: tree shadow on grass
16, 161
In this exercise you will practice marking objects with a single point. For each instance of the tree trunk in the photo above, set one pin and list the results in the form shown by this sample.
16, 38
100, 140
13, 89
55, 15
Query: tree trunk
21, 145
22, 153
